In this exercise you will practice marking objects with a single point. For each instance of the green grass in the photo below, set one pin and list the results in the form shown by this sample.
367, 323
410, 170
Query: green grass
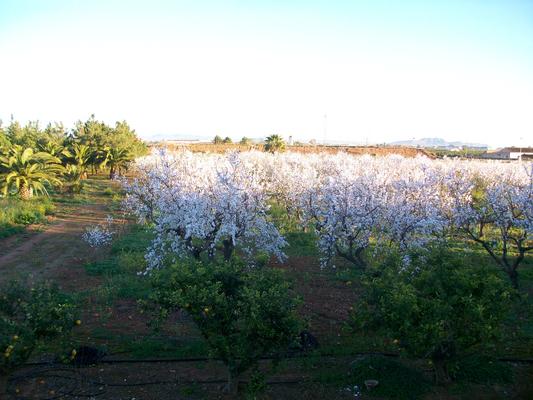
7, 230
396, 380
301, 244
136, 241
155, 347
15, 214
121, 269
482, 369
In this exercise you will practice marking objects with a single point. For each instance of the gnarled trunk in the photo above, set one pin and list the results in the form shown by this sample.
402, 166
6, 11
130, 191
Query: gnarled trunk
3, 385
232, 386
25, 192
440, 357
442, 375
513, 275
228, 249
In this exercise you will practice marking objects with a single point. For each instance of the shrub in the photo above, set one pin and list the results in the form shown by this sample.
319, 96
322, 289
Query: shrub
436, 307
27, 217
30, 317
15, 212
243, 313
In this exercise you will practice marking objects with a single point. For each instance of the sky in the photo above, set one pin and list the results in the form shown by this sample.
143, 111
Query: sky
349, 71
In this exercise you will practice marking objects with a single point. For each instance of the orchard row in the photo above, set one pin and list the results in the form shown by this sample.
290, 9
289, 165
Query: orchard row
204, 204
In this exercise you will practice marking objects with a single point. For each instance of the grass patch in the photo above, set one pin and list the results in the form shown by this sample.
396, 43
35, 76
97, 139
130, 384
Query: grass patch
396, 380
104, 267
484, 370
135, 241
153, 347
15, 214
122, 268
145, 347
7, 230
127, 287
301, 244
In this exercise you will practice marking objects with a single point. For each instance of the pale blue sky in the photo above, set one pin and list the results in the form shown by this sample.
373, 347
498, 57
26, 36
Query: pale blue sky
381, 70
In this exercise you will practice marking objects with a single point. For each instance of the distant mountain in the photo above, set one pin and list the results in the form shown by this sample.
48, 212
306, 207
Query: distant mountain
436, 143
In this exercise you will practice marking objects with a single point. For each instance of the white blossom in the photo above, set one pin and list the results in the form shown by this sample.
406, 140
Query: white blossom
99, 235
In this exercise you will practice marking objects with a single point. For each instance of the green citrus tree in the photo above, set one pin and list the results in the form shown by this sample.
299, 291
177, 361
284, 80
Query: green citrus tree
243, 313
30, 317
437, 307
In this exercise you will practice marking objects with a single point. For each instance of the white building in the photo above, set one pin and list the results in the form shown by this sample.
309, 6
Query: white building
510, 153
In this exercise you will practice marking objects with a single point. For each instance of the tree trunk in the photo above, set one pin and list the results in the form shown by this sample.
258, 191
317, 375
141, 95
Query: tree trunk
442, 376
228, 249
112, 173
3, 385
513, 275
232, 386
25, 192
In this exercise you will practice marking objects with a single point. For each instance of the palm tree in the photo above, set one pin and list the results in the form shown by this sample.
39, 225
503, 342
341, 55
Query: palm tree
117, 160
80, 155
73, 177
274, 143
54, 149
28, 172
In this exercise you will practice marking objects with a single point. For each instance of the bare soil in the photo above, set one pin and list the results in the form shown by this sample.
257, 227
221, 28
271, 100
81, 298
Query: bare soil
50, 252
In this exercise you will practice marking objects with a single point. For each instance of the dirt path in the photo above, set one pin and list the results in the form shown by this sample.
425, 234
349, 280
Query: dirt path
54, 252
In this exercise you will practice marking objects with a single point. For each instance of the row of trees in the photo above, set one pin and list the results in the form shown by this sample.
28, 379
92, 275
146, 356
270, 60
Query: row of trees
399, 220
273, 143
33, 159
199, 202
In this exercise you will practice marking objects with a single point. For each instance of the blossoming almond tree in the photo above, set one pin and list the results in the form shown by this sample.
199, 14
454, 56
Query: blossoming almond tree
345, 212
203, 205
496, 211
412, 215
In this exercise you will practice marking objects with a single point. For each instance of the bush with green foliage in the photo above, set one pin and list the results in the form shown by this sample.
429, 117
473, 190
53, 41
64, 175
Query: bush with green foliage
436, 307
243, 313
15, 212
30, 317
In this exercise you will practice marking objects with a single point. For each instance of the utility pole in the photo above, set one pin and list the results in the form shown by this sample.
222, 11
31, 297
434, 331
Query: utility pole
325, 128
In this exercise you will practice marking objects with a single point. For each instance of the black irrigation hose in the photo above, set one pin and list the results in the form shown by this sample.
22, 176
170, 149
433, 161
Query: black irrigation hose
516, 360
61, 393
206, 359
79, 378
